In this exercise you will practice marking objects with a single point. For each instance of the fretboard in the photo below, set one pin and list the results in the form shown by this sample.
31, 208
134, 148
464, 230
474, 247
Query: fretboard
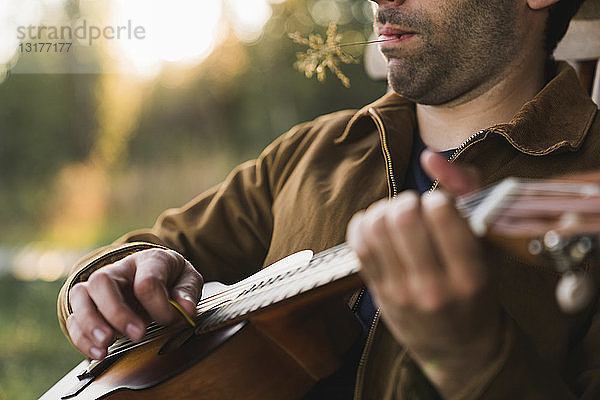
502, 207
253, 295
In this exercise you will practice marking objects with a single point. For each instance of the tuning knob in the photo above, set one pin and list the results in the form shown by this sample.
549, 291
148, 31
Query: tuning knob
574, 291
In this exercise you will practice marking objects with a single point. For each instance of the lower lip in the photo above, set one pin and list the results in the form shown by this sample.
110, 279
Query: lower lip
390, 40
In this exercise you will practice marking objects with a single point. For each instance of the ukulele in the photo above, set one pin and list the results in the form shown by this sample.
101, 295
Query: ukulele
276, 333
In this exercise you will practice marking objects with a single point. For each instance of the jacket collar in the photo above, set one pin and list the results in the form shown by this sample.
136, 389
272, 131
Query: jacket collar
391, 107
559, 116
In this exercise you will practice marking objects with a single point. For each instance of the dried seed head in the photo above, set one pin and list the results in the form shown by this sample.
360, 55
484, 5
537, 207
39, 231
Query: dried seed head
322, 54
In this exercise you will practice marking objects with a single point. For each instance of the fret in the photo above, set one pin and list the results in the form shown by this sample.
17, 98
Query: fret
324, 268
511, 207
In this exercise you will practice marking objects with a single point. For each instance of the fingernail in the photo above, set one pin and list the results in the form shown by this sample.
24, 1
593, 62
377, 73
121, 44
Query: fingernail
134, 331
186, 296
352, 232
406, 199
435, 199
100, 335
96, 353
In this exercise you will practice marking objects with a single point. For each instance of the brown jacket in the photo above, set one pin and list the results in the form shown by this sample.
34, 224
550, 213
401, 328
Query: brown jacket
302, 190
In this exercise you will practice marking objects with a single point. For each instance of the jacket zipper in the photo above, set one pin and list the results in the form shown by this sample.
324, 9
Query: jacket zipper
357, 300
392, 192
460, 149
363, 358
387, 155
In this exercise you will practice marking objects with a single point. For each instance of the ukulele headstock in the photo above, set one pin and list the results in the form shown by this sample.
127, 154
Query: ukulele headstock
554, 221
567, 252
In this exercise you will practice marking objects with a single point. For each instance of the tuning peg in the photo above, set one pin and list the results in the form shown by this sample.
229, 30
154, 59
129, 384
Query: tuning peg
574, 291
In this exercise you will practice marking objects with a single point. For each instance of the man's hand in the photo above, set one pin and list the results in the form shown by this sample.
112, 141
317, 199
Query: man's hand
426, 271
123, 297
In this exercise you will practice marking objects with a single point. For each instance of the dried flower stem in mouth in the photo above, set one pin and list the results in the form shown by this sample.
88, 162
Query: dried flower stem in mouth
323, 54
367, 42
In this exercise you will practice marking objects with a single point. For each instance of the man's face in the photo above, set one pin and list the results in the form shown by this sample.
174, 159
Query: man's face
448, 50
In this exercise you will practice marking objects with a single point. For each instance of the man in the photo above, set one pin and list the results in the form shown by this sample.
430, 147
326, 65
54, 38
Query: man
457, 324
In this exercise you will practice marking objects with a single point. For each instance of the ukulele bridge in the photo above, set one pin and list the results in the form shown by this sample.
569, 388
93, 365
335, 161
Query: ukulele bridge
91, 370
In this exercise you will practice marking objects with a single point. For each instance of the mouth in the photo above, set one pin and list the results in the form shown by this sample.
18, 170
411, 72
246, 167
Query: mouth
393, 35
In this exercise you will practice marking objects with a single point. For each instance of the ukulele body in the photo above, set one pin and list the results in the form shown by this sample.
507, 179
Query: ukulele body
278, 354
280, 351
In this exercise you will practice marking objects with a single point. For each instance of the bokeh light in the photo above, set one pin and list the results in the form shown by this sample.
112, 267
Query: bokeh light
249, 18
15, 14
181, 31
98, 142
175, 32
325, 12
40, 261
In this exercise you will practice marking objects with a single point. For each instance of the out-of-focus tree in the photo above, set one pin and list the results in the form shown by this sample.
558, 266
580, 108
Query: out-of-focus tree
233, 103
84, 158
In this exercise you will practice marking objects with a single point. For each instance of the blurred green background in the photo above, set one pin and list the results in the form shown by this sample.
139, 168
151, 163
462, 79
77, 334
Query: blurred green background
85, 158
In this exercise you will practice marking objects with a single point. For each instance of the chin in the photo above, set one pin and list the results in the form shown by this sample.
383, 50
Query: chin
414, 89
423, 85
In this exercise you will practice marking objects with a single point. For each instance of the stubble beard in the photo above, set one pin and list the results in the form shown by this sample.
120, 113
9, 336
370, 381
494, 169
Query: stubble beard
458, 59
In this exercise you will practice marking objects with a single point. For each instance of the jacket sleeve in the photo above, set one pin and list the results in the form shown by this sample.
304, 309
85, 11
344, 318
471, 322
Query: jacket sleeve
224, 232
520, 372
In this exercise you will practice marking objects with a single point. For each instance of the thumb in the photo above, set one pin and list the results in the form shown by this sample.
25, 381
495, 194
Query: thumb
455, 179
187, 289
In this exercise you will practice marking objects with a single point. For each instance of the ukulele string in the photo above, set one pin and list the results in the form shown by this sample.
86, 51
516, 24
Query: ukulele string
236, 290
466, 205
154, 330
558, 187
273, 293
533, 189
469, 203
125, 344
302, 280
534, 206
317, 260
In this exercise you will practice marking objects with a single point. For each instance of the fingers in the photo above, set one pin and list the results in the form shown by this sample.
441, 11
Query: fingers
150, 285
413, 244
91, 338
82, 341
393, 244
106, 294
456, 244
164, 275
455, 179
118, 298
159, 275
187, 289
359, 239
426, 273
417, 251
